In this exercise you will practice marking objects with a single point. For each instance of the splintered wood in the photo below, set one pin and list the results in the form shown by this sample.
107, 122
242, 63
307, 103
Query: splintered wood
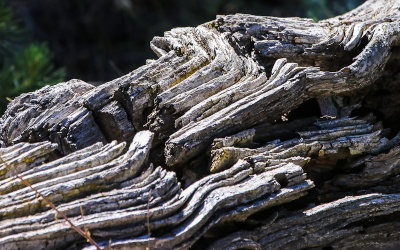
246, 132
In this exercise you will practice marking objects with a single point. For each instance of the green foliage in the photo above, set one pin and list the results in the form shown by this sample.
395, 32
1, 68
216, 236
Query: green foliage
28, 69
24, 66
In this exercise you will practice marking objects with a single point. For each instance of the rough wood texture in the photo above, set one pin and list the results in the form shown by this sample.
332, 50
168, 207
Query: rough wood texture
246, 132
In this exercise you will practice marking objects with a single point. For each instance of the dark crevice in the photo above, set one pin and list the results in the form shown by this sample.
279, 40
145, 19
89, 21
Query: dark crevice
323, 168
309, 108
282, 180
157, 156
162, 123
373, 221
102, 128
122, 98
336, 57
281, 130
193, 170
266, 63
382, 97
365, 111
345, 166
137, 117
306, 202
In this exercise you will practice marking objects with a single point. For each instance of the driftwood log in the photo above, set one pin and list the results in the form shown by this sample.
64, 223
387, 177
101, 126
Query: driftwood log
247, 132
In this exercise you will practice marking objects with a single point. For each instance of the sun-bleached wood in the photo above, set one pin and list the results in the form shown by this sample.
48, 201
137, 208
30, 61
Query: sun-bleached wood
246, 132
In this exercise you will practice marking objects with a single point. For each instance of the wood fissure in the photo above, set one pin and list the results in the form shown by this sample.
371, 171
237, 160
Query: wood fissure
246, 132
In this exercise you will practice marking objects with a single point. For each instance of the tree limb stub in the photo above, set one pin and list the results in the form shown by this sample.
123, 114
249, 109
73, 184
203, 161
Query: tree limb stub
282, 132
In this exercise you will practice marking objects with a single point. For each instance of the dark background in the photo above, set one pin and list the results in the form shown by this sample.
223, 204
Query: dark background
99, 40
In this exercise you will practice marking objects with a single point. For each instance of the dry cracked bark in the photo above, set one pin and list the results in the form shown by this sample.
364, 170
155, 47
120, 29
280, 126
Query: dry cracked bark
246, 132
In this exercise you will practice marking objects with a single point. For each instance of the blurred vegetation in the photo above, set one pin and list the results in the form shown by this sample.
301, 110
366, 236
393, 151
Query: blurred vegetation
97, 41
322, 9
24, 66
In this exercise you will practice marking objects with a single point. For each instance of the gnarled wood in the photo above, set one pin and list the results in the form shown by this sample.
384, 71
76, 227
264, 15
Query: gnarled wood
271, 129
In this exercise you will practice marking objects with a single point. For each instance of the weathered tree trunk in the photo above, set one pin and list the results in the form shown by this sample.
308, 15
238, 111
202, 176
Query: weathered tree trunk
246, 132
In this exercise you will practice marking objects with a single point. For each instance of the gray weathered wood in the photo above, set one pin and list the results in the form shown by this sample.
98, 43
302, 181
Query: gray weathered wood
246, 132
